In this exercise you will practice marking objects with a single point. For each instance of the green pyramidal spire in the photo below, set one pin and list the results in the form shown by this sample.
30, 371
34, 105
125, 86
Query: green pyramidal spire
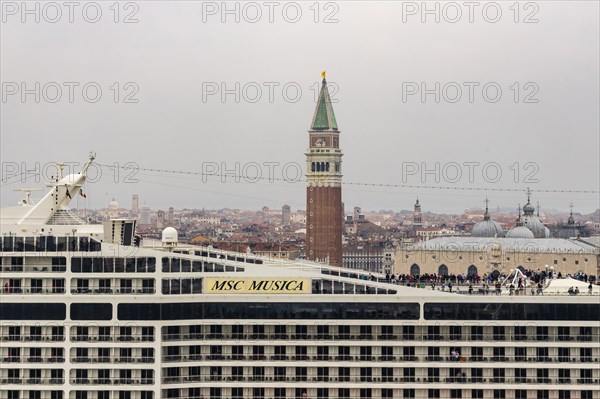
324, 118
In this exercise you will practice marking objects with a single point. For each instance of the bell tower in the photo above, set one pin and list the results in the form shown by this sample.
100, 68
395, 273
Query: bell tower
417, 215
324, 215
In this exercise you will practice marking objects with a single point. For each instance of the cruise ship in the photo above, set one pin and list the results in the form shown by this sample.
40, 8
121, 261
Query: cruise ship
90, 311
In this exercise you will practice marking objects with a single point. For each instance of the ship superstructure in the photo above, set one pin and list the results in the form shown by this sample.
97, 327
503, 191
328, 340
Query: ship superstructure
87, 312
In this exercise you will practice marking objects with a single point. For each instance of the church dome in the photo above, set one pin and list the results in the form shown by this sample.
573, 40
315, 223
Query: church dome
487, 228
519, 232
113, 204
528, 209
534, 224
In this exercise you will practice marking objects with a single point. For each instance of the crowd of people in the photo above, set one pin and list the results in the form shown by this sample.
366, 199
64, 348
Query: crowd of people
526, 281
487, 283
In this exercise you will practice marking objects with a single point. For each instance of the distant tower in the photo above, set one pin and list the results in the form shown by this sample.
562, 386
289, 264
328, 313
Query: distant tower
171, 218
324, 184
135, 205
144, 215
417, 218
286, 215
160, 219
571, 219
265, 214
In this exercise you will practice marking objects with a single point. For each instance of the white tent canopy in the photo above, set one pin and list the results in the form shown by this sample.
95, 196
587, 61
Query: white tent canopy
563, 285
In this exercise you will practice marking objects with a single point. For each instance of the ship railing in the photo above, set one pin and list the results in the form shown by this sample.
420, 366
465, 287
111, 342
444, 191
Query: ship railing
377, 379
110, 291
112, 381
352, 396
38, 338
28, 290
180, 358
112, 359
523, 292
31, 359
108, 338
33, 269
389, 338
32, 381
460, 361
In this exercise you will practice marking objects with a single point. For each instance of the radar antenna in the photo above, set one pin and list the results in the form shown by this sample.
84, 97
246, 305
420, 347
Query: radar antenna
89, 162
27, 191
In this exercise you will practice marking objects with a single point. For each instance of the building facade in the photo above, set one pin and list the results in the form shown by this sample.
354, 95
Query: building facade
480, 255
324, 185
369, 257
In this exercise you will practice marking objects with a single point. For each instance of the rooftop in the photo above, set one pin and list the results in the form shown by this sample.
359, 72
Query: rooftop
515, 244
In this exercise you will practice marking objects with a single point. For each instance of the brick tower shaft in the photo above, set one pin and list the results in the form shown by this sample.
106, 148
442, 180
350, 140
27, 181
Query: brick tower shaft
324, 213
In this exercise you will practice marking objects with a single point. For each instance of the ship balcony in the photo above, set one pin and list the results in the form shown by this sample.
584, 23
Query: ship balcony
29, 338
416, 337
112, 359
32, 269
282, 357
32, 290
112, 381
110, 291
108, 338
322, 358
190, 337
388, 334
32, 381
258, 357
464, 361
208, 378
32, 359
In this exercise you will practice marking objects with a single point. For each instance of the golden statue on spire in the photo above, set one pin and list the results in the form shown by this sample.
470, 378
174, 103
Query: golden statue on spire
323, 74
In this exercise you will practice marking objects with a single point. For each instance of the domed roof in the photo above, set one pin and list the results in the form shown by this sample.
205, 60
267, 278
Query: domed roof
113, 204
519, 232
534, 224
487, 228
568, 232
528, 209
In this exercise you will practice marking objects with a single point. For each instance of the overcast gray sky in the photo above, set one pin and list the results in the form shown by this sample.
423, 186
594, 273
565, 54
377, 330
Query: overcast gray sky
379, 56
